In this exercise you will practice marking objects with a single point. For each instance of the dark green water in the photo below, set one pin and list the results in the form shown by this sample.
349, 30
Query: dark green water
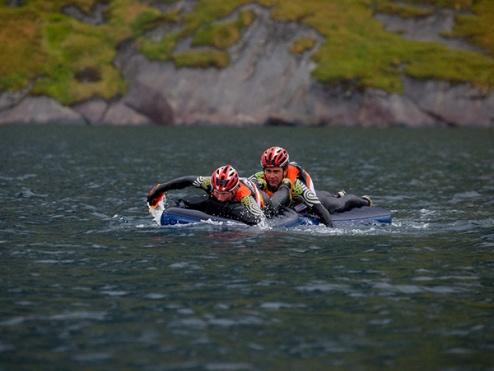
87, 281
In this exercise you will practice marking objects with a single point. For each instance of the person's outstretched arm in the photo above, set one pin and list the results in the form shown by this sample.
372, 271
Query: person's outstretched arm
177, 183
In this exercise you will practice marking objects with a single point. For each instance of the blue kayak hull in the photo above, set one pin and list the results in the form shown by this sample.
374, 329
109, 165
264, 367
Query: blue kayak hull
359, 216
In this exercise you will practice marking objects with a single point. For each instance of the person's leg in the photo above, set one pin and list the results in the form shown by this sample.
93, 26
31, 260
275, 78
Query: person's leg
336, 204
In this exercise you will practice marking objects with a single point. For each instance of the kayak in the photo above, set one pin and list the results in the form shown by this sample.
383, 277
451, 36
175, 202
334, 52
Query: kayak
287, 219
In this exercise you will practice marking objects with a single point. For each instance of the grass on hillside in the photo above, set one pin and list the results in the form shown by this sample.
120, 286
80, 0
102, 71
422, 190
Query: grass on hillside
454, 4
302, 44
48, 48
478, 28
223, 35
358, 50
40, 44
202, 58
402, 10
22, 55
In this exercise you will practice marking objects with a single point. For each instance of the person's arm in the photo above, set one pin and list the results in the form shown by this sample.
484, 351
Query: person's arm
311, 200
258, 180
252, 213
177, 183
281, 197
324, 214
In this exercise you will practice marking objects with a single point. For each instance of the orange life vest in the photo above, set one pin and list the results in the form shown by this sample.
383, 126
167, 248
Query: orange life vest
244, 191
295, 172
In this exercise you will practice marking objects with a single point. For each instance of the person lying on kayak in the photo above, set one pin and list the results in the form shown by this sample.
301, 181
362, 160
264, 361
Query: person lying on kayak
229, 196
288, 184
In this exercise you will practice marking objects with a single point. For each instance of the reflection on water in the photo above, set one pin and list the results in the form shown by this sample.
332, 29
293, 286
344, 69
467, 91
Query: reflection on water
88, 280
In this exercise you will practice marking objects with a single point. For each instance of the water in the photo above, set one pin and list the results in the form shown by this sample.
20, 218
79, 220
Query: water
88, 281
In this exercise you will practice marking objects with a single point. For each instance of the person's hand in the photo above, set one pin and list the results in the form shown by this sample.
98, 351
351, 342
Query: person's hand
287, 182
328, 223
155, 196
157, 199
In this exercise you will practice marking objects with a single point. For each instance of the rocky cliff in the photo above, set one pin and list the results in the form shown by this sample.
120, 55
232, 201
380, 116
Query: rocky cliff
265, 83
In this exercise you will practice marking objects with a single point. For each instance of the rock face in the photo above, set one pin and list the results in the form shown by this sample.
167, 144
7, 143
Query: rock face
427, 28
264, 84
96, 16
99, 112
40, 110
263, 80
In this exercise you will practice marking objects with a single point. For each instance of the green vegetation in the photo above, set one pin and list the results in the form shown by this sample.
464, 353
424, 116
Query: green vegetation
162, 50
202, 58
51, 49
358, 50
479, 27
72, 61
302, 45
402, 10
454, 4
223, 35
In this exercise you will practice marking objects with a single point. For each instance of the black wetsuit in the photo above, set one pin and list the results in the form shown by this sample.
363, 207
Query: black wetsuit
337, 204
288, 194
297, 194
245, 210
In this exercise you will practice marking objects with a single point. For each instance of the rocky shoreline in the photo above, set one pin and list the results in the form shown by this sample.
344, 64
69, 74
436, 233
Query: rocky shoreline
265, 84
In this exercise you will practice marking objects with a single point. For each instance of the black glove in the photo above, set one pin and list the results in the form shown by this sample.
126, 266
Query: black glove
154, 195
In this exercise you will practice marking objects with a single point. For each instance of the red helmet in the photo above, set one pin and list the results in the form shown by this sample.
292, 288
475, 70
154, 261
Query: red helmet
274, 157
225, 179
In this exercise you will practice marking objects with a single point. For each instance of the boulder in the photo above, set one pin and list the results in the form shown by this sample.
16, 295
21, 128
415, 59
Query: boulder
119, 113
40, 110
8, 99
95, 16
452, 104
150, 102
92, 110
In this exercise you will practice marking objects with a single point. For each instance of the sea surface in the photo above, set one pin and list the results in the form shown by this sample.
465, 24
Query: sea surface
88, 281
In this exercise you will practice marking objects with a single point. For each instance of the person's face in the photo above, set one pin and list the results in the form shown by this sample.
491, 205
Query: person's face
223, 196
274, 176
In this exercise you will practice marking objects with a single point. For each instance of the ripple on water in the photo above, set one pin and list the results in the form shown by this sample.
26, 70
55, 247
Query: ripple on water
461, 197
228, 366
6, 347
79, 315
114, 292
92, 357
459, 351
321, 286
28, 193
319, 348
413, 289
65, 316
380, 322
195, 323
184, 265
155, 296
279, 305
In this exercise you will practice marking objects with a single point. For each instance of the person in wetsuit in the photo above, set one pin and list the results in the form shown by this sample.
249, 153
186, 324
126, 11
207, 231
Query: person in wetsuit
229, 196
288, 184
